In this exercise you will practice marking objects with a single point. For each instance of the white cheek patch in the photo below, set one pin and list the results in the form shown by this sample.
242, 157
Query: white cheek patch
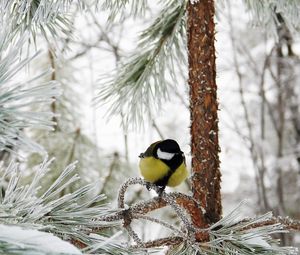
164, 155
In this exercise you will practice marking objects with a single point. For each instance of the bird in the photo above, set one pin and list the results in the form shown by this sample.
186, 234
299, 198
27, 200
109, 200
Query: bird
163, 164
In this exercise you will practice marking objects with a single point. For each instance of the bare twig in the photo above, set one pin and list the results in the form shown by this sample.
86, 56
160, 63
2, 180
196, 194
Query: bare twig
112, 167
157, 129
173, 240
286, 222
176, 200
148, 218
53, 105
252, 148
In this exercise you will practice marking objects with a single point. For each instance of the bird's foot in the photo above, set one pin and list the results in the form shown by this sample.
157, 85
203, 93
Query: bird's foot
160, 190
148, 186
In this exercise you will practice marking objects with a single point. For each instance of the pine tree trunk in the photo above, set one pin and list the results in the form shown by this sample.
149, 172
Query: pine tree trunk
206, 175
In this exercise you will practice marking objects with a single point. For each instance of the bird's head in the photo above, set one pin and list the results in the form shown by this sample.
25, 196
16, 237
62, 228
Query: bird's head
166, 149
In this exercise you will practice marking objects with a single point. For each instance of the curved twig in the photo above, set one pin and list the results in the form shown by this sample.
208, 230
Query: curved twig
173, 240
165, 224
168, 199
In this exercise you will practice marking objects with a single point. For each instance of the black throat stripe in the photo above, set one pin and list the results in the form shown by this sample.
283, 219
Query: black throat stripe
173, 164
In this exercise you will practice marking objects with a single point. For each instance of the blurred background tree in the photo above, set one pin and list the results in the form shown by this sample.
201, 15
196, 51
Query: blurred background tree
265, 64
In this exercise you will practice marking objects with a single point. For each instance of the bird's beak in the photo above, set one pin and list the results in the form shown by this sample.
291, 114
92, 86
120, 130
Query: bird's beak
141, 155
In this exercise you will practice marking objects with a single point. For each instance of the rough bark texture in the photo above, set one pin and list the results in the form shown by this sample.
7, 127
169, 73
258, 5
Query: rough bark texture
203, 106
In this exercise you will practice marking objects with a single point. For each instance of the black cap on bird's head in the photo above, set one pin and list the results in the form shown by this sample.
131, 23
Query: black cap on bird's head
168, 145
165, 149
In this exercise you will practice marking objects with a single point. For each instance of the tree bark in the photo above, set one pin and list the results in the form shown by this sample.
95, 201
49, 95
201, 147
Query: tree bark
206, 176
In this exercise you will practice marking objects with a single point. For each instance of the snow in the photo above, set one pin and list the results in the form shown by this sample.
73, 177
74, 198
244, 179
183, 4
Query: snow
42, 241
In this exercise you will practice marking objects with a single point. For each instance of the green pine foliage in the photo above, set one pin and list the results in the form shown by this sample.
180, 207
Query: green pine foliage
147, 77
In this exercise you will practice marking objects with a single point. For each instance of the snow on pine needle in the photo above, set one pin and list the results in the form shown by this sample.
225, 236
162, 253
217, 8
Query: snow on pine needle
72, 216
266, 13
17, 99
147, 77
19, 241
233, 235
35, 16
118, 8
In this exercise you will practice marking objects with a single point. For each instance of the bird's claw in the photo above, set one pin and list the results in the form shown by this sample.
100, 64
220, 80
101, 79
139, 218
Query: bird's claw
148, 186
160, 190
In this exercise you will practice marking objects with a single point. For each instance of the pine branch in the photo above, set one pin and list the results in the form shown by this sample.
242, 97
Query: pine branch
286, 222
71, 217
144, 78
17, 97
264, 13
40, 16
227, 236
117, 8
34, 16
19, 241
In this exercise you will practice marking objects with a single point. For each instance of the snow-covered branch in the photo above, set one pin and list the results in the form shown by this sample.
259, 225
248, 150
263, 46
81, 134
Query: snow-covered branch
226, 236
146, 73
21, 241
18, 98
72, 216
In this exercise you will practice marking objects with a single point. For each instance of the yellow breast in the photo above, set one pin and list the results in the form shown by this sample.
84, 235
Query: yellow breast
153, 169
178, 176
